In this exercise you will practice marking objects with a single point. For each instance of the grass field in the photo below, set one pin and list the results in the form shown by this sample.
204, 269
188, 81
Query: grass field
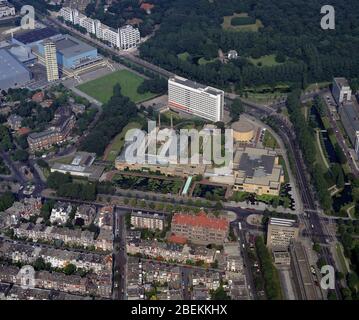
118, 142
342, 259
269, 141
226, 25
204, 61
183, 56
265, 61
102, 88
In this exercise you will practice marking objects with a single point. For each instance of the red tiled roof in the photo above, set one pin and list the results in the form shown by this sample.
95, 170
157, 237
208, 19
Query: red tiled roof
177, 239
38, 97
107, 209
200, 220
147, 6
23, 131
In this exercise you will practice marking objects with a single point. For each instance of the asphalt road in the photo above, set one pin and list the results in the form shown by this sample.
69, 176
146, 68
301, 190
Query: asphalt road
119, 255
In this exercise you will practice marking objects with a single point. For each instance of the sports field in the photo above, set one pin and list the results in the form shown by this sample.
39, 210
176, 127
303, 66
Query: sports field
102, 88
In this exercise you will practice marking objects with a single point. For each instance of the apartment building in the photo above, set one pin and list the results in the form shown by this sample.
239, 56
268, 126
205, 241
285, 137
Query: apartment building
190, 97
145, 220
200, 228
281, 232
341, 90
58, 133
129, 37
14, 122
123, 38
52, 67
60, 213
6, 9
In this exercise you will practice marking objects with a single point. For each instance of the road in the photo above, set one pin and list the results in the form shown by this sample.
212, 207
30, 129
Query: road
311, 217
285, 131
246, 262
119, 255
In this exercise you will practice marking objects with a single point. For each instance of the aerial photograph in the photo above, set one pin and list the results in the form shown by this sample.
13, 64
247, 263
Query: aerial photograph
201, 151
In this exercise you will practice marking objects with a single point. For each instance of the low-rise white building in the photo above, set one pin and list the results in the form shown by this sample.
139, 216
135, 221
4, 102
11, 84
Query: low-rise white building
60, 213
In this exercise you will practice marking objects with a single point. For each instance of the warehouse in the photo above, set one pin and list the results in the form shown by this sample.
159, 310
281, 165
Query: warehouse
12, 73
71, 52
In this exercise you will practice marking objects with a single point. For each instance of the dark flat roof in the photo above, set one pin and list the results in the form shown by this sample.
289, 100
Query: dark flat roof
35, 35
250, 165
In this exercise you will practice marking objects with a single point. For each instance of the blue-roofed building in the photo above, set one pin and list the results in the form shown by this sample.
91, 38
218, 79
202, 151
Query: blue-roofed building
71, 52
33, 37
12, 72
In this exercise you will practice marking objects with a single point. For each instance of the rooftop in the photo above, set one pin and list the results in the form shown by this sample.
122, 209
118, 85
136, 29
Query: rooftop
282, 222
341, 82
351, 111
200, 220
69, 46
195, 85
35, 35
10, 65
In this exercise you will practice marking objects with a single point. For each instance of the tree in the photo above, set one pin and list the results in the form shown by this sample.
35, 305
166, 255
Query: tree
316, 247
219, 294
236, 109
39, 264
58, 179
70, 269
6, 200
20, 155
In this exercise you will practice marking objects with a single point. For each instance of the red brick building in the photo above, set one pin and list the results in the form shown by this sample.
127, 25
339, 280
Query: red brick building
201, 228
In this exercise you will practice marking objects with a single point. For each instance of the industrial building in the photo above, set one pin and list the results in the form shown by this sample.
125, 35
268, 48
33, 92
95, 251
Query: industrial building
341, 90
257, 171
71, 53
52, 67
190, 97
12, 72
281, 232
349, 116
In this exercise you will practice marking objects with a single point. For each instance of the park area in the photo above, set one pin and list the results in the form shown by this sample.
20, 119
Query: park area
113, 150
102, 88
241, 22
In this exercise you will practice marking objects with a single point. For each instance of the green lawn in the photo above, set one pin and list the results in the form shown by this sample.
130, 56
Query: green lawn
269, 141
226, 25
183, 56
265, 61
341, 258
102, 88
203, 61
118, 142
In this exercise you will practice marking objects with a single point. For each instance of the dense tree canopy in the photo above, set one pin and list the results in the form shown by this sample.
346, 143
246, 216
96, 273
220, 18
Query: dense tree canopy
291, 30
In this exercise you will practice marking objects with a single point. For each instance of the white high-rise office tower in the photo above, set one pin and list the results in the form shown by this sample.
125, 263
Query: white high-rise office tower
52, 68
191, 97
